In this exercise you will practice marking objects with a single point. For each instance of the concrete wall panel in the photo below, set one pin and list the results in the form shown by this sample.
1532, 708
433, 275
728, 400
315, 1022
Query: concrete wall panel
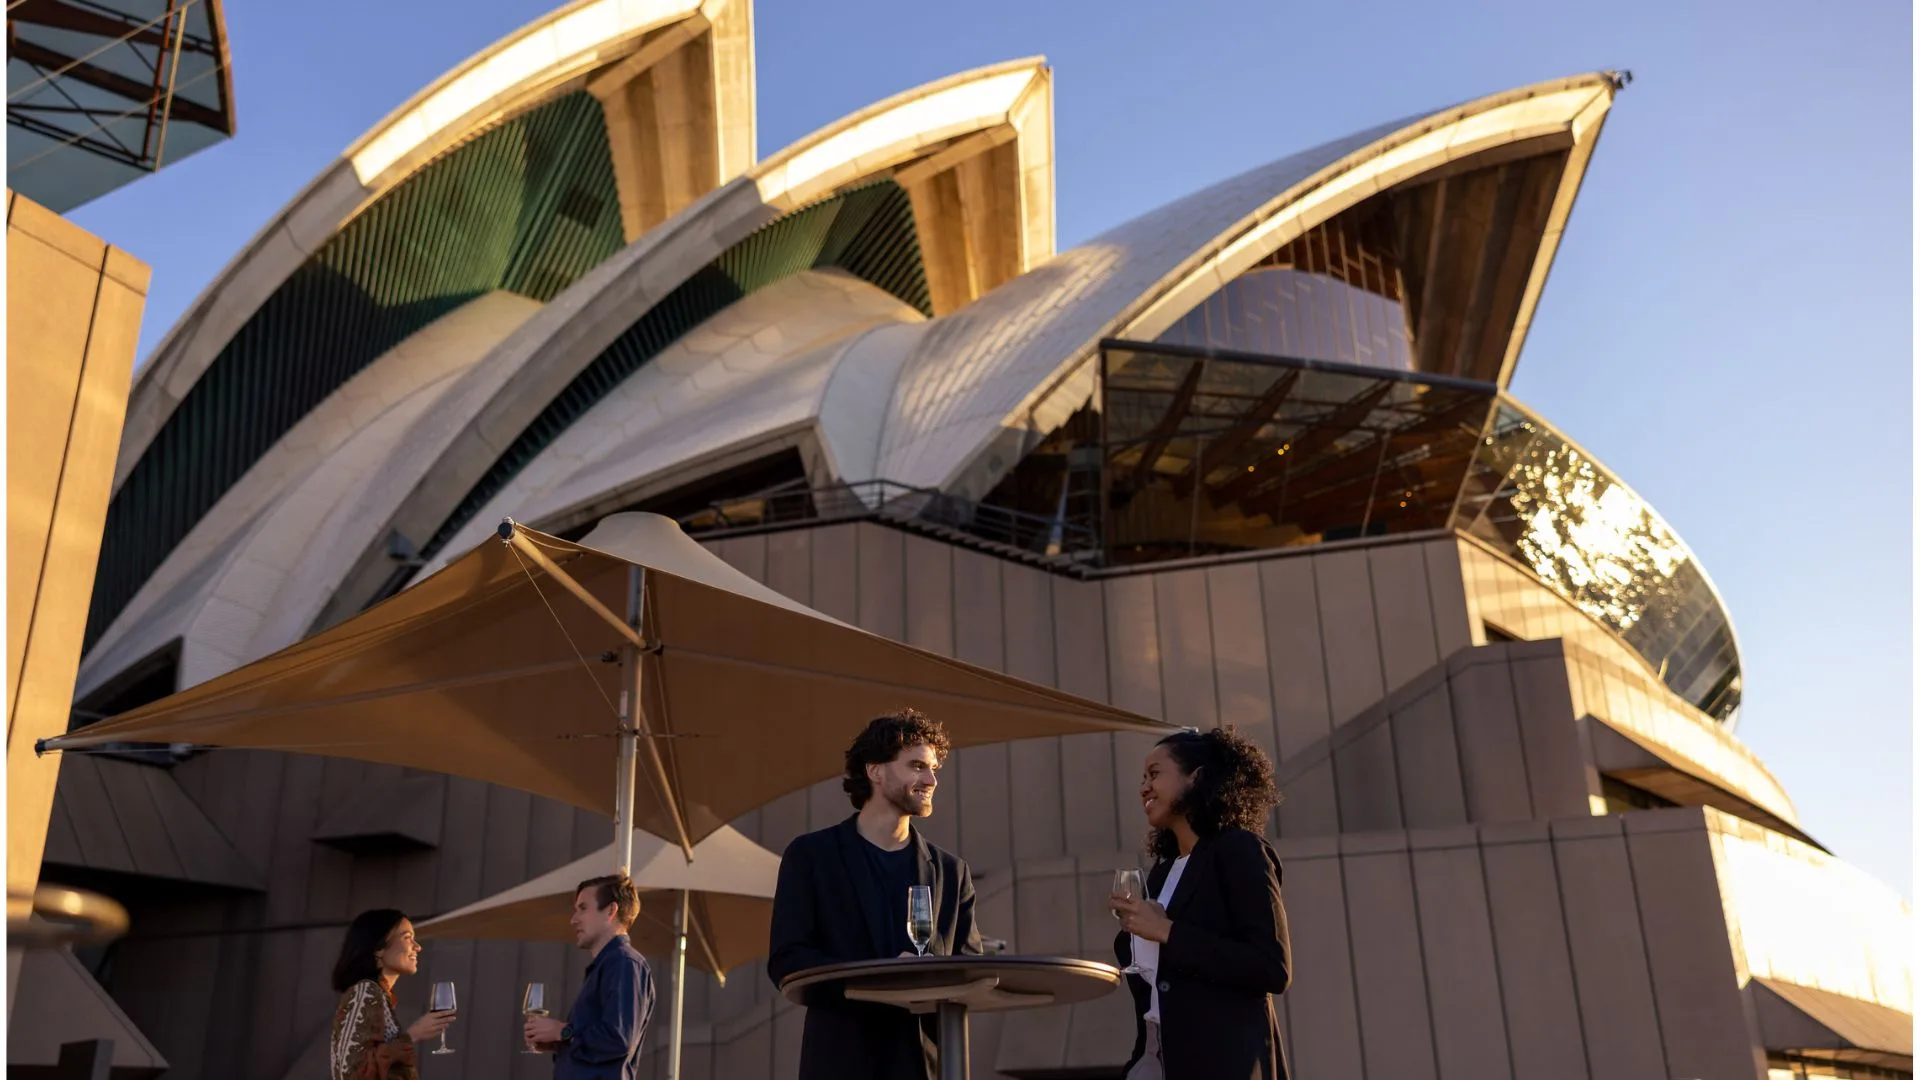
1239, 634
1403, 610
1623, 1035
1309, 801
1389, 973
1188, 695
1492, 758
1707, 1031
1530, 944
929, 622
1348, 632
1026, 601
1463, 979
882, 581
1301, 713
836, 572
790, 565
1364, 775
1086, 761
1427, 761
1556, 766
1326, 1022
1134, 659
1446, 590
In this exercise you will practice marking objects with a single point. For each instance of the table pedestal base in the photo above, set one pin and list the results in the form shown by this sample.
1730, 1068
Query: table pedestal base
953, 1041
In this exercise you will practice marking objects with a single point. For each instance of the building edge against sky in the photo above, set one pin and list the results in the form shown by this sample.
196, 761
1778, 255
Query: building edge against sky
1248, 458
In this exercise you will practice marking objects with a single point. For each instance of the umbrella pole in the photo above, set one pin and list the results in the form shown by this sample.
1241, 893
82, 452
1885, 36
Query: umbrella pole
680, 924
633, 712
628, 758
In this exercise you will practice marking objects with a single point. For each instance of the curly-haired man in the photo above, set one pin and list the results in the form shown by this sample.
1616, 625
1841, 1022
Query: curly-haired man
842, 897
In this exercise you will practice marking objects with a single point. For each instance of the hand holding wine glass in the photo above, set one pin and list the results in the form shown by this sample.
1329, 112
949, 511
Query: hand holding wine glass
442, 1001
920, 917
1128, 884
533, 1002
427, 1026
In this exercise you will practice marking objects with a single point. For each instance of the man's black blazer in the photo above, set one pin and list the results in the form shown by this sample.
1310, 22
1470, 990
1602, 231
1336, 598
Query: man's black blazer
828, 909
1227, 952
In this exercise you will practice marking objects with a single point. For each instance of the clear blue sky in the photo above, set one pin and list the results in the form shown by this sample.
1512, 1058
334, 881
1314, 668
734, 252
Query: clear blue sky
1728, 326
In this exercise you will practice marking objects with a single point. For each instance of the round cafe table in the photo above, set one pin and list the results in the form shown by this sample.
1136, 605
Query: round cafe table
953, 987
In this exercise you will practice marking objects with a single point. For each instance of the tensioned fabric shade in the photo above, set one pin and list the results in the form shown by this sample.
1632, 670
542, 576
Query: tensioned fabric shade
490, 669
731, 879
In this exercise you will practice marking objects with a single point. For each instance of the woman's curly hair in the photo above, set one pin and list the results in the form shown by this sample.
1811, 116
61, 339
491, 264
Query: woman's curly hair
1234, 788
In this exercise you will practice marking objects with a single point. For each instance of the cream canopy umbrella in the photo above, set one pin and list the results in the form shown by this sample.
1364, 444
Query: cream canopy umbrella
728, 888
510, 666
722, 900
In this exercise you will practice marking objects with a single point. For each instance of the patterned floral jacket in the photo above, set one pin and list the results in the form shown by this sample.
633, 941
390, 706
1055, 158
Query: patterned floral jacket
367, 1041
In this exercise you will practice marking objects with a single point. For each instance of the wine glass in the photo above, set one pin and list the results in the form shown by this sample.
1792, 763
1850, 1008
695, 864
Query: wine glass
442, 1001
533, 1002
920, 916
1128, 884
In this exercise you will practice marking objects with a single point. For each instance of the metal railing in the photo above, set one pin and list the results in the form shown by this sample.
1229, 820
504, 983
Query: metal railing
795, 502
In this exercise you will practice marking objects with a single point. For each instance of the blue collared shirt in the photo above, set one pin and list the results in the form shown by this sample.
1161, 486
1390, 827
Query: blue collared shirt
609, 1018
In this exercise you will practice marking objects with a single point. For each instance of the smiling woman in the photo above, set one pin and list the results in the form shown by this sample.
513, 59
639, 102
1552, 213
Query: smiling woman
368, 1043
1208, 944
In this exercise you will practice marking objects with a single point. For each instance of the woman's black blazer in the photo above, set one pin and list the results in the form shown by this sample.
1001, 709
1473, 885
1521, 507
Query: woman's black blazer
1227, 952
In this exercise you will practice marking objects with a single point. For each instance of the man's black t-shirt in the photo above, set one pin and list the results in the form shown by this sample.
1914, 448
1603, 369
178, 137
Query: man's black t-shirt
894, 869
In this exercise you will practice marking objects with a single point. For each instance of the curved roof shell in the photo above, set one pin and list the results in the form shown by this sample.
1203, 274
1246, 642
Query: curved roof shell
960, 411
814, 201
517, 171
881, 298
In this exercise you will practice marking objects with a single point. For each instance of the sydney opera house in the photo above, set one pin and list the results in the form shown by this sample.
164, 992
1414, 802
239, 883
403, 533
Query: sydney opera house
1247, 459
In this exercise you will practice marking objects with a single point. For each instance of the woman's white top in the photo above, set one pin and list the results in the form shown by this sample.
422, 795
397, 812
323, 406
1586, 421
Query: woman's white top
1146, 954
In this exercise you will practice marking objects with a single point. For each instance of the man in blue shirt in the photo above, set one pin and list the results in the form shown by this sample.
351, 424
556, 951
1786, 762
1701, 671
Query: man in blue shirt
601, 1037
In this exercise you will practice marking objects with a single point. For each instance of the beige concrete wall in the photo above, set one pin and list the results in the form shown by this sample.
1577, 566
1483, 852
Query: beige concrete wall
73, 321
1490, 735
1240, 642
1486, 927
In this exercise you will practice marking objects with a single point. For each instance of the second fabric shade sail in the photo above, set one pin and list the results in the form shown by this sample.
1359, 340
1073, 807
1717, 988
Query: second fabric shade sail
731, 881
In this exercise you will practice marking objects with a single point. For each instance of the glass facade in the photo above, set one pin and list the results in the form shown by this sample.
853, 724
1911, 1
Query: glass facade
1171, 452
1206, 454
1535, 496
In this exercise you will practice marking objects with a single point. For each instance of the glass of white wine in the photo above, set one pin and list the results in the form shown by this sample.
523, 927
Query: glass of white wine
1129, 884
442, 1001
920, 916
533, 1002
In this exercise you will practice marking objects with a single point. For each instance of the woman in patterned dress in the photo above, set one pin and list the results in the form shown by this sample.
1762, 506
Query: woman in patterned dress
368, 1043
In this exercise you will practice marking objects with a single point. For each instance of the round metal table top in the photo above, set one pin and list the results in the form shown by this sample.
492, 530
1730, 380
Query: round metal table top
984, 983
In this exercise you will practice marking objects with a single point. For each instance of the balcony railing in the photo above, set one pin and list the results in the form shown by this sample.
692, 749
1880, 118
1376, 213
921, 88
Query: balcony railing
796, 502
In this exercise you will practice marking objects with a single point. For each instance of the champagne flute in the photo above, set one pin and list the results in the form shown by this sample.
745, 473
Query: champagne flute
1128, 884
533, 1002
920, 916
442, 1001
